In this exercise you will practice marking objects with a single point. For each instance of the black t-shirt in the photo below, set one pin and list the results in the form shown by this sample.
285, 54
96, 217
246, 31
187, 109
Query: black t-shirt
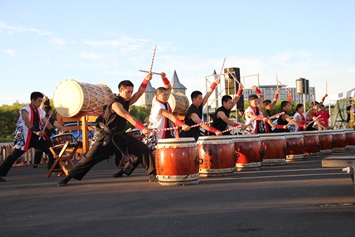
281, 121
218, 123
193, 132
112, 120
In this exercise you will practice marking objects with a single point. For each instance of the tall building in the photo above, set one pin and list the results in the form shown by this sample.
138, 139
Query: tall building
269, 91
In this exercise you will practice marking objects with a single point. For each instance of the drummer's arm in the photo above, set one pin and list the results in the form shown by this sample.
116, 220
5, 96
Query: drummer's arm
251, 115
59, 126
166, 82
223, 116
209, 91
118, 109
197, 120
141, 89
238, 95
174, 119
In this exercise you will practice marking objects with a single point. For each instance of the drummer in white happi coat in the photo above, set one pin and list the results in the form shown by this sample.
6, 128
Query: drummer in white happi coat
161, 116
29, 133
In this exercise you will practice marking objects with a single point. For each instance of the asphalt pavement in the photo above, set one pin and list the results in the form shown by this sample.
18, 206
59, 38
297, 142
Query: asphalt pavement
299, 198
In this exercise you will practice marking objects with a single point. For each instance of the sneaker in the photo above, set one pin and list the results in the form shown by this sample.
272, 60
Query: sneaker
35, 166
153, 178
2, 179
62, 183
118, 174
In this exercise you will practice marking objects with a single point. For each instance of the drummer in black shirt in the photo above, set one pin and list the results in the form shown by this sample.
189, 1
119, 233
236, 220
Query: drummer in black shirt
221, 117
194, 113
112, 138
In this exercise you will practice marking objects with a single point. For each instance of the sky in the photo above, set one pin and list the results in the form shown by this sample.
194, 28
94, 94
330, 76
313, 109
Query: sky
43, 43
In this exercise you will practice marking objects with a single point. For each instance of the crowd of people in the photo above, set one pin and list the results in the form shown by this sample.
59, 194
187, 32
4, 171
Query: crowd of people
35, 126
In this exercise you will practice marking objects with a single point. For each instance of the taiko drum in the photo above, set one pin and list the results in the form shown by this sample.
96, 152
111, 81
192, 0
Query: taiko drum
295, 145
217, 154
325, 142
176, 161
311, 143
248, 151
350, 138
274, 145
339, 140
71, 97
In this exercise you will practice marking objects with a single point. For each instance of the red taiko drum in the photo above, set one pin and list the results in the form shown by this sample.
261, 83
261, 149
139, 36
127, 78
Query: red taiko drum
176, 161
274, 145
295, 145
350, 138
325, 142
311, 143
249, 153
217, 154
339, 140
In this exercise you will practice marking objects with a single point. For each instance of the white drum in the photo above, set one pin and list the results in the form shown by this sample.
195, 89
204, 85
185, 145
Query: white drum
71, 97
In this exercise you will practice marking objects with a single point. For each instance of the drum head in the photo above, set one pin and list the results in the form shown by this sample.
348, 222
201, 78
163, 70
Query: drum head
68, 98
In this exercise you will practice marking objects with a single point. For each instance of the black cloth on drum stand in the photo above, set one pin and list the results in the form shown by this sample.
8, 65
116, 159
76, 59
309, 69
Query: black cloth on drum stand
193, 132
41, 144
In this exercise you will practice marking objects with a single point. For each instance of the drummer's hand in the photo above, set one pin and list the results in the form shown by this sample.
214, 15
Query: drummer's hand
244, 127
217, 81
185, 127
265, 119
40, 133
163, 75
241, 87
148, 77
218, 133
146, 131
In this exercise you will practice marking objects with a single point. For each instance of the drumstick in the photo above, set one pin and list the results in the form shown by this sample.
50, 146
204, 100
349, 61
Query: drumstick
174, 128
283, 86
45, 125
224, 60
233, 76
326, 87
151, 64
156, 73
313, 121
277, 82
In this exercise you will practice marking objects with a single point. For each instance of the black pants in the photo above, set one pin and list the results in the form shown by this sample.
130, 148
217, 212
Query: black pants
16, 153
99, 152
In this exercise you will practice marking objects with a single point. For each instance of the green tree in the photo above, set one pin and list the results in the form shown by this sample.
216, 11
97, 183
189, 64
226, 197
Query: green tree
139, 112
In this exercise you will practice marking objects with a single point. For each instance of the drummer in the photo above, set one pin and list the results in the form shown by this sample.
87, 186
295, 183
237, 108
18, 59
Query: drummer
161, 116
269, 106
284, 120
39, 153
29, 133
113, 139
312, 114
194, 113
300, 118
221, 117
254, 115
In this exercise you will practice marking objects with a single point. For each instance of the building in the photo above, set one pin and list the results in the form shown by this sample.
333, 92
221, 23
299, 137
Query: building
149, 94
269, 91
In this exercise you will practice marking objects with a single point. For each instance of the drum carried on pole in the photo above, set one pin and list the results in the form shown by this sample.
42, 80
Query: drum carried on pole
71, 97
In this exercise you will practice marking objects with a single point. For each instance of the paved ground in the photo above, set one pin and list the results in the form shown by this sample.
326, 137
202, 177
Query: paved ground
299, 198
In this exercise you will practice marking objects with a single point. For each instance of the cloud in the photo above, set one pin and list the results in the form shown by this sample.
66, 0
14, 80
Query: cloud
58, 41
20, 29
90, 56
125, 44
10, 52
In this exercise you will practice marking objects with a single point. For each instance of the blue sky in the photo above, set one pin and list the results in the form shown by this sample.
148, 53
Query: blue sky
43, 43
